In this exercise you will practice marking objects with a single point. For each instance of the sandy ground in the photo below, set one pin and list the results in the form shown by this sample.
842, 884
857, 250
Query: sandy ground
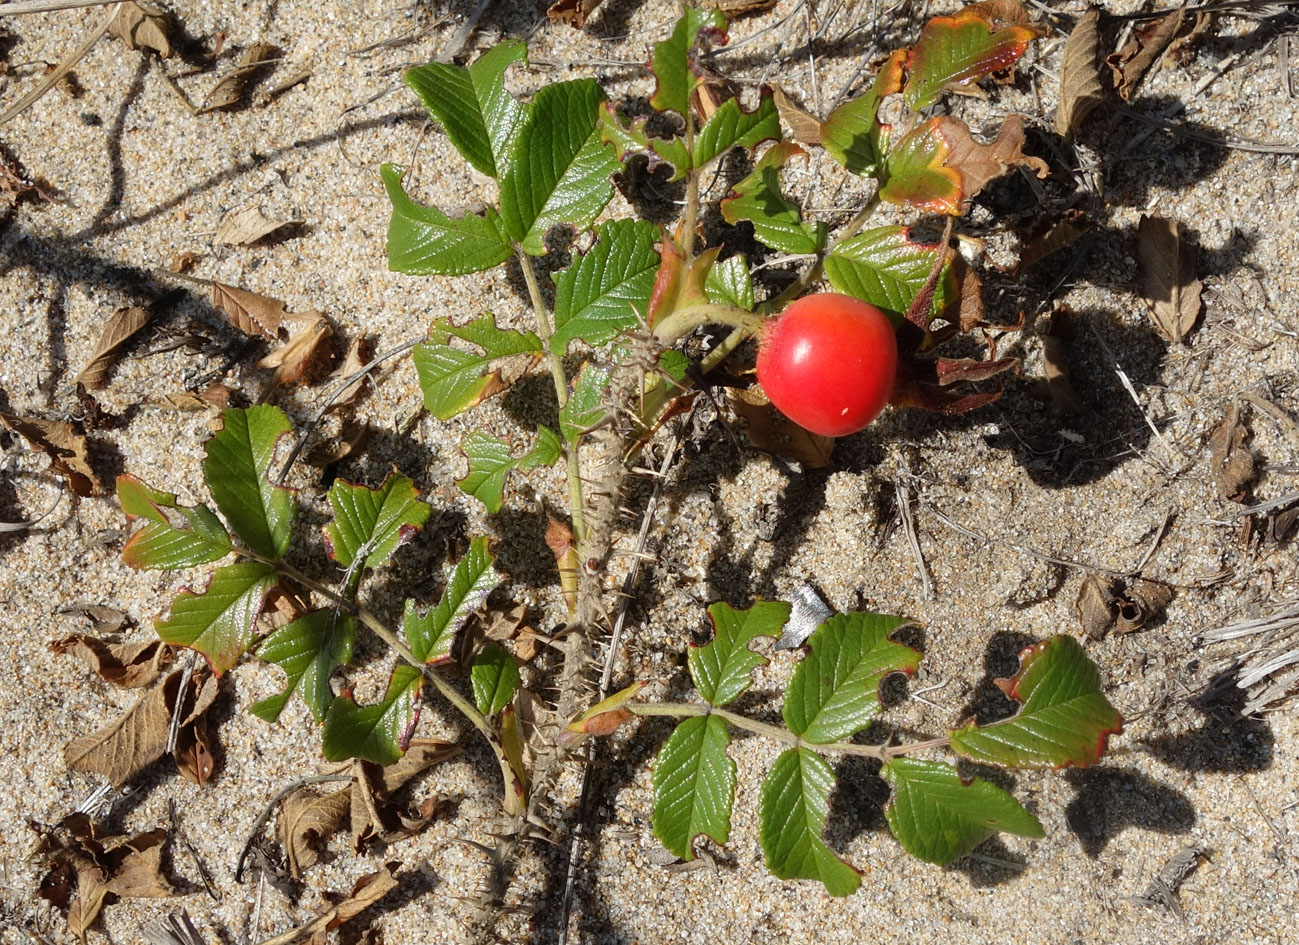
137, 179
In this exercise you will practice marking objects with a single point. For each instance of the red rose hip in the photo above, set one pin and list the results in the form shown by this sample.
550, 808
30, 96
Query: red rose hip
829, 363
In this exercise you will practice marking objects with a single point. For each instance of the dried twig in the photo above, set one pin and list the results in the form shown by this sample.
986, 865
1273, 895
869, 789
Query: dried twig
903, 493
63, 68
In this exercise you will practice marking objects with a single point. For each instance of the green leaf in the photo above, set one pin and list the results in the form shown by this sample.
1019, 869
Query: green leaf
309, 649
694, 786
494, 678
468, 584
721, 667
1064, 719
730, 125
792, 811
238, 459
776, 222
424, 240
379, 732
586, 404
159, 543
885, 267
475, 111
606, 291
939, 817
852, 133
730, 283
632, 138
219, 621
490, 463
955, 51
917, 172
671, 61
453, 379
560, 171
371, 523
834, 692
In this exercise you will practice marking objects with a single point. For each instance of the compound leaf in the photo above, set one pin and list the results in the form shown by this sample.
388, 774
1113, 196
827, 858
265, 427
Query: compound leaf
694, 785
1064, 720
560, 171
453, 379
423, 240
490, 462
494, 678
792, 811
721, 667
729, 282
852, 133
731, 125
938, 816
309, 649
671, 61
606, 291
369, 524
885, 267
259, 512
955, 51
834, 691
218, 622
479, 117
379, 732
159, 543
468, 584
776, 222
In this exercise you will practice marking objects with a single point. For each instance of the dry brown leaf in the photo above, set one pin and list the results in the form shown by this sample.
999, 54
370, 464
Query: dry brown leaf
247, 225
803, 125
1231, 462
125, 665
969, 313
351, 440
230, 90
572, 12
138, 737
103, 620
308, 819
955, 370
978, 163
1095, 606
193, 754
1142, 603
65, 445
367, 891
1058, 235
1080, 76
769, 430
559, 539
372, 814
1166, 270
1001, 12
358, 356
738, 7
141, 30
251, 313
123, 324
1055, 363
297, 356
182, 262
1147, 44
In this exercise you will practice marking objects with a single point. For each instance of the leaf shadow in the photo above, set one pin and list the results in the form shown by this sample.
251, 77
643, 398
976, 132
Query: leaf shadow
1111, 799
987, 703
1226, 741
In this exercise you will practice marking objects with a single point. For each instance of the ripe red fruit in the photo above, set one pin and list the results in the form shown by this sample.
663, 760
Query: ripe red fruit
829, 363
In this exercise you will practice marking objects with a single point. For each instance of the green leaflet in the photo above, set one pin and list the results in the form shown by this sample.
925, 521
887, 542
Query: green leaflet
309, 650
792, 811
606, 291
371, 523
885, 267
490, 463
468, 584
218, 622
730, 125
453, 379
586, 404
1065, 719
722, 667
379, 732
236, 469
730, 283
939, 817
477, 114
776, 221
670, 61
424, 240
694, 785
159, 543
957, 50
834, 692
560, 171
494, 678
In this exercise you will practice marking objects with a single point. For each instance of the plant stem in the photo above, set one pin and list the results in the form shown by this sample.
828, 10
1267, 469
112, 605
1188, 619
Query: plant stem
683, 321
544, 332
813, 273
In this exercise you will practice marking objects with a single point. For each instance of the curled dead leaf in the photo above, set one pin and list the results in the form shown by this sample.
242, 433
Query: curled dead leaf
358, 356
559, 539
1080, 77
977, 163
251, 313
1056, 365
1166, 273
572, 12
1095, 606
123, 324
1231, 462
772, 432
1141, 604
804, 127
1141, 51
369, 889
247, 225
66, 446
229, 92
298, 356
125, 665
141, 29
308, 819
